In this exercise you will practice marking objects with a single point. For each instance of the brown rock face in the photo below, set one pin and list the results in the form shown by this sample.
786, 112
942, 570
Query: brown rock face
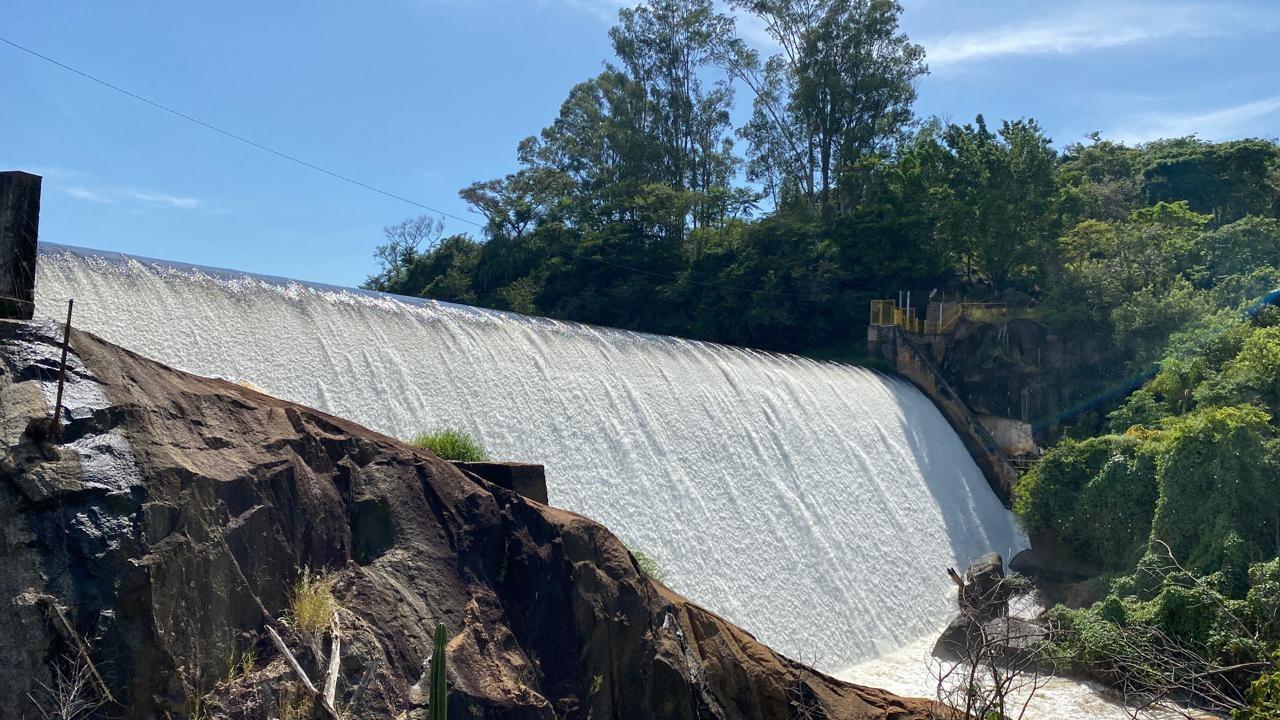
174, 515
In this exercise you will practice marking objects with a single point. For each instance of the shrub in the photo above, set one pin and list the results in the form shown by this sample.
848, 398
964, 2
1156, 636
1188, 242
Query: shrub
649, 567
1141, 409
1165, 630
1216, 482
1095, 496
452, 444
1253, 375
1263, 697
312, 605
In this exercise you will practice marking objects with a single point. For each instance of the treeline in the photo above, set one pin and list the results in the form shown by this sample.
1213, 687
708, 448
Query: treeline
641, 207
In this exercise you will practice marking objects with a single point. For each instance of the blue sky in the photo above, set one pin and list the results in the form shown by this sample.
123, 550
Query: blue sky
422, 97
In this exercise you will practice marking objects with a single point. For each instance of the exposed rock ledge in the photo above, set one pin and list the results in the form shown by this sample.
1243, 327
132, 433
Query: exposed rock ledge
173, 504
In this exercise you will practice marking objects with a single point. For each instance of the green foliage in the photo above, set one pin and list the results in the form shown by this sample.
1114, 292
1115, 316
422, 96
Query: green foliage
629, 209
1229, 180
452, 444
439, 700
1263, 697
1167, 627
1140, 409
649, 566
1253, 375
1096, 496
1216, 482
1208, 446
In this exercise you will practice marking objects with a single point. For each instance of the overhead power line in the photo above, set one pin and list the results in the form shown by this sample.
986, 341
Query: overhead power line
353, 181
234, 136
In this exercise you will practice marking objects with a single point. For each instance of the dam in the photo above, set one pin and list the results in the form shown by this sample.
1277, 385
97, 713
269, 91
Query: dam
815, 504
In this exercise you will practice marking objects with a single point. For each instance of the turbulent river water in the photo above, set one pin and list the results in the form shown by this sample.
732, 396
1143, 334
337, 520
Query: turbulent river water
815, 504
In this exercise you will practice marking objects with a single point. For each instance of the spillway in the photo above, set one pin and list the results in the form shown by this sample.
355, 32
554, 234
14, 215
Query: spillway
815, 504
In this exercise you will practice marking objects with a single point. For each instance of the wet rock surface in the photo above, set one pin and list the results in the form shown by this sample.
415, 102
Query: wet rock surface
172, 517
983, 631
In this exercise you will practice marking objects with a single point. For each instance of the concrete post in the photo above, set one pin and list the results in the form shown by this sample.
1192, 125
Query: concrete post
19, 228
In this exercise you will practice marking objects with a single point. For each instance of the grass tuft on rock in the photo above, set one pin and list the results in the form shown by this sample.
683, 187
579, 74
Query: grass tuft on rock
452, 444
649, 565
312, 604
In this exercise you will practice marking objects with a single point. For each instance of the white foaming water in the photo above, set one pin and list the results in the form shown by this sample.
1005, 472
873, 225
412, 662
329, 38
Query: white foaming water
814, 504
911, 671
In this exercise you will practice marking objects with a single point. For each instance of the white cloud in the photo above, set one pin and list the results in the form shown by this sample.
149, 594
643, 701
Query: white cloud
605, 10
1092, 27
754, 31
81, 192
164, 199
132, 196
1229, 122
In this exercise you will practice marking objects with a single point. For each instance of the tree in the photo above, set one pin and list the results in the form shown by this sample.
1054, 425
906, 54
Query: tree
1226, 180
513, 204
403, 247
664, 47
998, 202
1100, 181
646, 143
842, 87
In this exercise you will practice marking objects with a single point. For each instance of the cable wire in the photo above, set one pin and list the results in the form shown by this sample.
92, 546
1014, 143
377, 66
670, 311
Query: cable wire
353, 181
234, 136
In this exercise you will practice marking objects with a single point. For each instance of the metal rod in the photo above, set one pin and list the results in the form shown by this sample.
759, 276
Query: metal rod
55, 423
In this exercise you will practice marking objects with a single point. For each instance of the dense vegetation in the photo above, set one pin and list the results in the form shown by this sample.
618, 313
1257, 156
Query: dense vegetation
635, 208
1176, 517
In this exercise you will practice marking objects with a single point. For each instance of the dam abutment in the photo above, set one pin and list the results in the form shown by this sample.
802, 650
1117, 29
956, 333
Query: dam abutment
892, 344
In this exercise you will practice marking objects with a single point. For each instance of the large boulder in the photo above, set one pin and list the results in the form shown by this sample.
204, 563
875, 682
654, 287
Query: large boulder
171, 519
984, 592
982, 631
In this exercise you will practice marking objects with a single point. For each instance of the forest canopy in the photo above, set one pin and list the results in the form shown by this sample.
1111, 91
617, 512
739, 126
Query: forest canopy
641, 206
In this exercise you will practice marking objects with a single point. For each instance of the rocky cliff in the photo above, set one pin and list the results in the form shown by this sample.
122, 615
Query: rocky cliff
166, 525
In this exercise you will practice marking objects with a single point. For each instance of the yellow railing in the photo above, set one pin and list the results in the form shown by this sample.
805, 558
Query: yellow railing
887, 312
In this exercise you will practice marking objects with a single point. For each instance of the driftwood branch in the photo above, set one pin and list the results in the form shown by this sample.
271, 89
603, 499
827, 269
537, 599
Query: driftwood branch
364, 684
293, 661
64, 626
325, 706
335, 661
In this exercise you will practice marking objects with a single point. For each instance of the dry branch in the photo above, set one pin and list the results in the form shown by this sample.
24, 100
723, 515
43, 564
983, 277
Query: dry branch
335, 660
69, 633
364, 684
293, 661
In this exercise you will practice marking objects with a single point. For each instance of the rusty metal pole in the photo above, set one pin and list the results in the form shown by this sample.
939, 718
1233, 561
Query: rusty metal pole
55, 422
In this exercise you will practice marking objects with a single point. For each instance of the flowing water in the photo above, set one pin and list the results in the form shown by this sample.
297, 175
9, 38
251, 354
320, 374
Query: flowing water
912, 671
815, 504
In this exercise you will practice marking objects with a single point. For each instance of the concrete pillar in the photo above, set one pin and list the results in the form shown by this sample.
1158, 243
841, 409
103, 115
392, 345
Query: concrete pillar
19, 228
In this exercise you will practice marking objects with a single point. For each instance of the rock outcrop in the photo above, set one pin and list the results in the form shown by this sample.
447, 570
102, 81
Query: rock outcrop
983, 632
173, 515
